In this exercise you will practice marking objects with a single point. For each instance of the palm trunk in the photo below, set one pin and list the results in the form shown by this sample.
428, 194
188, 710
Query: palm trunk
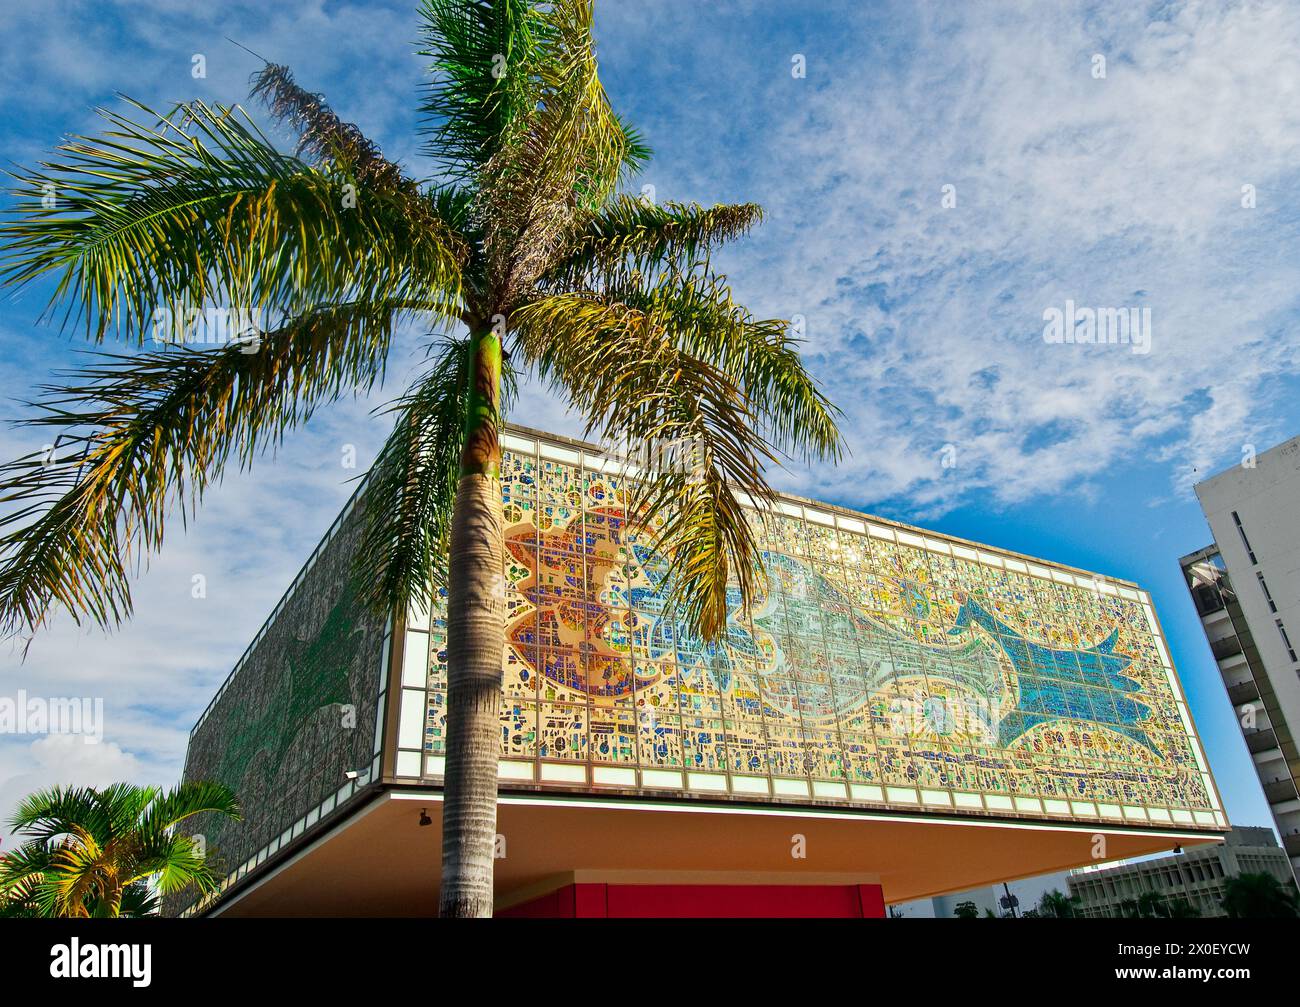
475, 642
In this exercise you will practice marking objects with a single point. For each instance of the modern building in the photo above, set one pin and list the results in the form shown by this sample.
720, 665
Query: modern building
901, 714
1196, 876
1246, 587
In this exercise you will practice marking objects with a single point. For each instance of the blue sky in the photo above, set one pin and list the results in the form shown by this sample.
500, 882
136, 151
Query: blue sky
924, 321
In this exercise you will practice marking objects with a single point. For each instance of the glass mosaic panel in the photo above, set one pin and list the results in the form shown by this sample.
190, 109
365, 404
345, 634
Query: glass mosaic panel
876, 656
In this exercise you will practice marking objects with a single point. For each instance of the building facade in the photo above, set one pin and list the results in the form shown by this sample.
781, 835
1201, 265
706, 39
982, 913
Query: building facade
899, 715
1196, 876
1246, 587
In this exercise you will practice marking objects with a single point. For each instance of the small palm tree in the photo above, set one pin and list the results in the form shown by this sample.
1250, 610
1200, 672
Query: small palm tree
1151, 905
102, 852
966, 911
1259, 896
1058, 905
1181, 909
522, 249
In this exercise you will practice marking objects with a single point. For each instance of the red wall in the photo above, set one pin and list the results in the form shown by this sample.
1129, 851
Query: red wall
589, 901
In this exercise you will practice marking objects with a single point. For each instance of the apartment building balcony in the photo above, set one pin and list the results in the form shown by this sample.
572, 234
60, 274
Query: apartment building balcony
1223, 649
1243, 692
1260, 741
1279, 791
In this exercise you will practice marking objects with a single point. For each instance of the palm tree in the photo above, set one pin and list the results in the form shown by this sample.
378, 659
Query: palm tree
1259, 896
1057, 904
523, 248
1151, 905
100, 852
22, 902
966, 911
1181, 909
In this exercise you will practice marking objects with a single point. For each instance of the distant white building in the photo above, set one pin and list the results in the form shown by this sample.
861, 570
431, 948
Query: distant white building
1246, 587
1197, 875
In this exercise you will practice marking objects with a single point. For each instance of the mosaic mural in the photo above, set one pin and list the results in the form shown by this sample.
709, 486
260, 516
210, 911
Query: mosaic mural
868, 661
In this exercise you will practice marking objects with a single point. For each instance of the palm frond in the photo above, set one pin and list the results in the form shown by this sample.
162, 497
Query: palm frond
524, 124
193, 797
578, 126
490, 65
123, 805
485, 62
629, 233
136, 434
174, 861
23, 863
168, 213
557, 164
637, 386
56, 811
455, 205
322, 135
760, 355
411, 487
138, 902
22, 872
637, 152
327, 140
79, 875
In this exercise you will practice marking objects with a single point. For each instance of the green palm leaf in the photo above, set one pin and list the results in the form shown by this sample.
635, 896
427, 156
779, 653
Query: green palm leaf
412, 485
760, 355
633, 234
137, 434
486, 55
164, 811
622, 367
97, 852
170, 213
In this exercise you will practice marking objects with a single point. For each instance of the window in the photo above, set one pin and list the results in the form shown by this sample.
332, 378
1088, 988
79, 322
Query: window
1272, 605
1244, 541
1207, 599
1286, 640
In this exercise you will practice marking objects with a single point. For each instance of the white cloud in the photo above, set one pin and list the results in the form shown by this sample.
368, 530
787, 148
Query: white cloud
925, 323
67, 760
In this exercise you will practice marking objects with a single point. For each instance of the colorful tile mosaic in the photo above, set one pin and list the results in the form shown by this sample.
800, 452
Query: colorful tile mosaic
878, 660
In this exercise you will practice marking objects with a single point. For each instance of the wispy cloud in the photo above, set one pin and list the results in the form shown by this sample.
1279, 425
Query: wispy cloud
925, 322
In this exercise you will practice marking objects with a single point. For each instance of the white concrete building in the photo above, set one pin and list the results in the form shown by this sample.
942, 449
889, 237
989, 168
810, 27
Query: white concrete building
1197, 876
1246, 587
